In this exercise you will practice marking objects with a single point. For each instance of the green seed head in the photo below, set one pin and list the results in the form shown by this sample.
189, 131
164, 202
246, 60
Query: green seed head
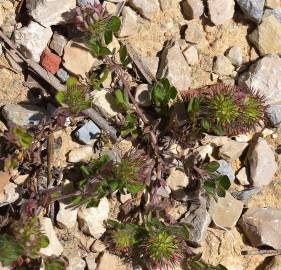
123, 239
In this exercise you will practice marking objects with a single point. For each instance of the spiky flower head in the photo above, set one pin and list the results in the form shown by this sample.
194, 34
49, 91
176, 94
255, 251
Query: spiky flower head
224, 109
28, 234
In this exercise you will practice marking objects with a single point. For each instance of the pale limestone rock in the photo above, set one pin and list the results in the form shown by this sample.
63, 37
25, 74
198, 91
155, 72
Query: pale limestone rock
81, 154
77, 58
221, 11
262, 226
9, 194
273, 4
235, 56
232, 149
191, 55
32, 40
91, 219
147, 8
109, 261
242, 177
265, 77
194, 32
66, 217
54, 248
104, 102
75, 262
174, 67
226, 211
263, 165
267, 36
49, 12
129, 25
223, 66
177, 180
192, 9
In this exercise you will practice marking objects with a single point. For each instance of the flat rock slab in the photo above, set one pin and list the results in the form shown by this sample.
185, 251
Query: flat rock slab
262, 226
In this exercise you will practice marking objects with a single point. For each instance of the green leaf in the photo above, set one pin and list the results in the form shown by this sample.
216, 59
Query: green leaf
10, 250
60, 97
224, 182
123, 53
209, 186
76, 200
114, 24
104, 51
44, 241
205, 124
54, 264
211, 167
108, 35
121, 99
71, 82
221, 192
114, 185
173, 92
134, 188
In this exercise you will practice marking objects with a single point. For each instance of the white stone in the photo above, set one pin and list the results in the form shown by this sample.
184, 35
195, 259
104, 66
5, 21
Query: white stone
191, 55
109, 261
194, 32
9, 194
265, 77
147, 8
83, 153
235, 56
91, 262
75, 262
174, 67
223, 66
77, 58
49, 12
91, 219
32, 40
204, 151
98, 246
104, 102
232, 149
177, 180
226, 211
263, 165
221, 10
242, 177
66, 217
192, 9
58, 43
54, 248
129, 25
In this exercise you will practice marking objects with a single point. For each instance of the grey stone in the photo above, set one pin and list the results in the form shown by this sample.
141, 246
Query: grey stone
265, 77
274, 12
147, 8
129, 25
164, 192
262, 226
75, 262
88, 132
232, 149
54, 248
91, 220
1, 49
142, 95
226, 169
91, 262
274, 114
242, 177
152, 62
192, 9
194, 32
62, 75
223, 66
199, 219
235, 56
246, 194
226, 211
263, 165
67, 216
82, 3
49, 12
191, 55
33, 39
252, 8
266, 37
58, 43
23, 115
221, 10
174, 67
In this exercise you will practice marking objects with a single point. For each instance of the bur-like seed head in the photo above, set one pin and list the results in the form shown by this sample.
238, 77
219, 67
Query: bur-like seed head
227, 110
